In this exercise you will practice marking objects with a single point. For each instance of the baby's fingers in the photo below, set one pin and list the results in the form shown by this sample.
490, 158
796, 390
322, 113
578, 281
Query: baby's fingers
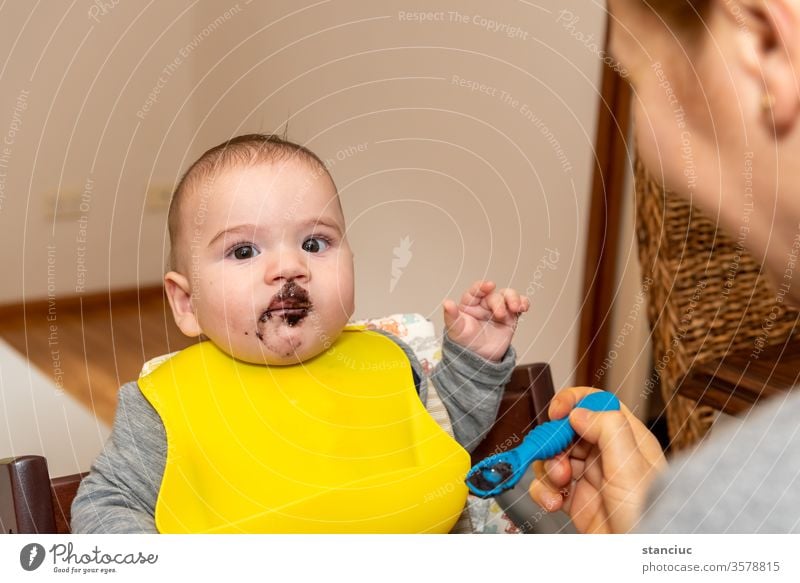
477, 292
506, 304
497, 304
515, 302
453, 321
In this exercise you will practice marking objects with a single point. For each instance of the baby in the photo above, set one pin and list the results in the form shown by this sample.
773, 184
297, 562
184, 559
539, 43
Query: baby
268, 424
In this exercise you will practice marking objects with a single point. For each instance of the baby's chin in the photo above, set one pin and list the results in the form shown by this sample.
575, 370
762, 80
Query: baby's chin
276, 342
289, 360
276, 355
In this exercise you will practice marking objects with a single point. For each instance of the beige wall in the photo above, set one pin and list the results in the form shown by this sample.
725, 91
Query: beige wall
492, 182
78, 135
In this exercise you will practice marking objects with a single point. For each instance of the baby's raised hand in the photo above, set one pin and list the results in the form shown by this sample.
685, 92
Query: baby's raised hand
485, 320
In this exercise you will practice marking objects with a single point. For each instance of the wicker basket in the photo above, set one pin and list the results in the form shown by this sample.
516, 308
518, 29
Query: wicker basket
705, 298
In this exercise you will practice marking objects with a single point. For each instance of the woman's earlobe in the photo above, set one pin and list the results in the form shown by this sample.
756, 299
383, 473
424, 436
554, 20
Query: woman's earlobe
770, 50
780, 102
179, 294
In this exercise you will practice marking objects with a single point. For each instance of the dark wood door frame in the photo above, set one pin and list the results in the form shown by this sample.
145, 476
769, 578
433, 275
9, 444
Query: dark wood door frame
608, 183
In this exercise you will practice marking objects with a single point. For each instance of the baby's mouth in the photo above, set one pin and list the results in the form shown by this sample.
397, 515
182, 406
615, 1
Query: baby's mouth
290, 305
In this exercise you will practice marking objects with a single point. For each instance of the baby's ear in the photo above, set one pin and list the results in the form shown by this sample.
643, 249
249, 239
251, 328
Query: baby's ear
179, 295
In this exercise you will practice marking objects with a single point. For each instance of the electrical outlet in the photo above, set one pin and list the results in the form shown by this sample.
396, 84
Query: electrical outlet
158, 197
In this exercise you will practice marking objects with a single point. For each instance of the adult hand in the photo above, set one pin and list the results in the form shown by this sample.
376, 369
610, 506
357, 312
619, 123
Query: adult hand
485, 320
601, 482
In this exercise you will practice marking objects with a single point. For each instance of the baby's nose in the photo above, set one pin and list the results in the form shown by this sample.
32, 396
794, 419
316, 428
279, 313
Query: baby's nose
288, 266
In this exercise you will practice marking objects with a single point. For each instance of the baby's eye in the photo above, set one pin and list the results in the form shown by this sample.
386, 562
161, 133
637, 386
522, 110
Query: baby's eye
245, 252
315, 244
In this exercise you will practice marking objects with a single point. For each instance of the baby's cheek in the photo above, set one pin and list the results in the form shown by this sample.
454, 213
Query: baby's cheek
345, 297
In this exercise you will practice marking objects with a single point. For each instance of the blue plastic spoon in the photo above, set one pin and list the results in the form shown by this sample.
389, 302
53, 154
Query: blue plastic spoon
502, 471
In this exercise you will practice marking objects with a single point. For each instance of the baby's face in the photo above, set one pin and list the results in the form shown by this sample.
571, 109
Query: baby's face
267, 261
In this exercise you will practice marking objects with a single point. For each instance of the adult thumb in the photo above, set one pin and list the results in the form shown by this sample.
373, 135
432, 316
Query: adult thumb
610, 431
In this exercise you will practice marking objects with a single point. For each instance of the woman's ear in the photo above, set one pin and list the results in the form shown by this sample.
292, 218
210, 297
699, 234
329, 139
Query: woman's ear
179, 295
769, 33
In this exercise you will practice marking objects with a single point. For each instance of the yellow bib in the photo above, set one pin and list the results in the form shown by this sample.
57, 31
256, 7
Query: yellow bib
340, 443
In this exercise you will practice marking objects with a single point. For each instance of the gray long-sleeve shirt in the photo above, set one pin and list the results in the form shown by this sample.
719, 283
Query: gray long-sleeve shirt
744, 478
119, 495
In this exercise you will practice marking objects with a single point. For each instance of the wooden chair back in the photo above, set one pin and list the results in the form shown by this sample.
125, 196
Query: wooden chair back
523, 406
32, 503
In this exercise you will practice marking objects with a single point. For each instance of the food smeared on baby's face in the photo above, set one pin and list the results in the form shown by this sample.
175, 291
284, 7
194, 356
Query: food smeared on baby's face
289, 306
280, 326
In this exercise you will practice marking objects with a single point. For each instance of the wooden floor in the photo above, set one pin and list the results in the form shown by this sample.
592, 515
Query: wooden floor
90, 346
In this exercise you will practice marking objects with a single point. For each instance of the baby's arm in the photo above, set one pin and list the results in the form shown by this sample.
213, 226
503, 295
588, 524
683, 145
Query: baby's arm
119, 495
477, 357
471, 387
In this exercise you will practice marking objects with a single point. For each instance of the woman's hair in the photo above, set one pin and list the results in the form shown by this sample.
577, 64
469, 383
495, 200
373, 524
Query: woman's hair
681, 15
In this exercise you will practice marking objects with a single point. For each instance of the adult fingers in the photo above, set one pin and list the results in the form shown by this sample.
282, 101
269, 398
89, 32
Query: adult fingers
565, 400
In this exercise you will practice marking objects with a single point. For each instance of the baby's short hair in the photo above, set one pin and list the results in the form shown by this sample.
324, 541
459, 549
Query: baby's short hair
239, 151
